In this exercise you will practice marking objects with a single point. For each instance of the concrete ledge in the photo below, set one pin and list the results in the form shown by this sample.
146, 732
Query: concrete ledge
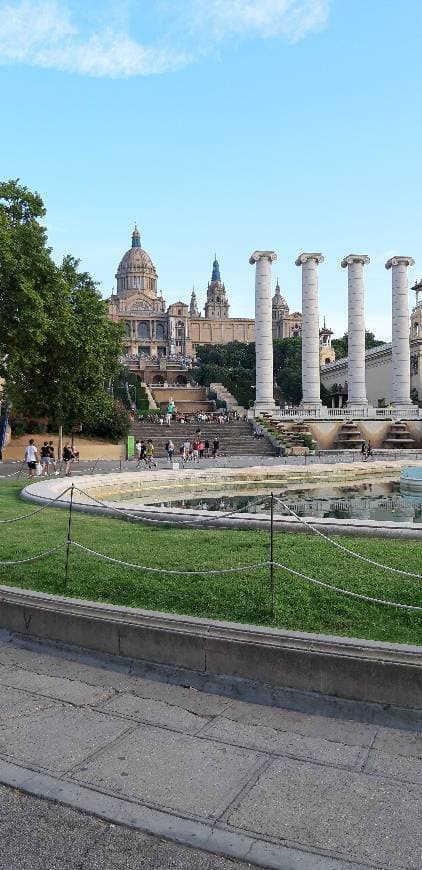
187, 482
346, 668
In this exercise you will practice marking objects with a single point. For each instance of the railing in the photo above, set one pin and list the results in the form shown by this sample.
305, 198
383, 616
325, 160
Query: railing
412, 413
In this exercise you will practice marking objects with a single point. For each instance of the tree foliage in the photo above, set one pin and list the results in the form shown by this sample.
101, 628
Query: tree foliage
341, 345
58, 349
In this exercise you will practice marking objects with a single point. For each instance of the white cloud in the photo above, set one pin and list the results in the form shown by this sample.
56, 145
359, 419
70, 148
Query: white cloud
44, 34
292, 19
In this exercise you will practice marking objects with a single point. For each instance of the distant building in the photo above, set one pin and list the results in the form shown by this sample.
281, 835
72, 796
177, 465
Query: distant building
378, 365
285, 325
154, 330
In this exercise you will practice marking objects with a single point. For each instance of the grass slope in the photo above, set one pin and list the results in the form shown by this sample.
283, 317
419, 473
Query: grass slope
243, 597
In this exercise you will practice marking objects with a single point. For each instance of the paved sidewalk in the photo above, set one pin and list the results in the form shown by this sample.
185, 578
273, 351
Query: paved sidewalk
262, 785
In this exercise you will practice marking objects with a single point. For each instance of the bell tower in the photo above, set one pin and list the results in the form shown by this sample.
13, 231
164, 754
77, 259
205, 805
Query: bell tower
216, 306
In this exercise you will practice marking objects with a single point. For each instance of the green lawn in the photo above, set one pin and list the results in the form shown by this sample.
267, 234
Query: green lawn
243, 597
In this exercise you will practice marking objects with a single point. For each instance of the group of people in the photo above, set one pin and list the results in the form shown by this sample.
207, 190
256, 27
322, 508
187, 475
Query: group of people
170, 414
145, 453
191, 450
45, 458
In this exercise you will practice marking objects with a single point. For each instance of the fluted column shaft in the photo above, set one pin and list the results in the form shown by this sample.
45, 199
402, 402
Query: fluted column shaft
356, 330
400, 329
310, 331
264, 400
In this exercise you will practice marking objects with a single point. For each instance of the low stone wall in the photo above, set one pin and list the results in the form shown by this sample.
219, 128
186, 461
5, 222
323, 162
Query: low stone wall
347, 668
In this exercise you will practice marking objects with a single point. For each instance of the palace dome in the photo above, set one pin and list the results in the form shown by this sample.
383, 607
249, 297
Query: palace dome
136, 271
136, 258
279, 300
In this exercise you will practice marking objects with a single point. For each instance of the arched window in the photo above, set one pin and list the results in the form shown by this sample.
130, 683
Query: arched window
143, 330
160, 331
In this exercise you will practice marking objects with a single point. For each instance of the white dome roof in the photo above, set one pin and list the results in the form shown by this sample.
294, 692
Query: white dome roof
136, 258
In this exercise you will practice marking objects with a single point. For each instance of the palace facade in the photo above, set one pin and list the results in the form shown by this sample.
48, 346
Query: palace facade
153, 330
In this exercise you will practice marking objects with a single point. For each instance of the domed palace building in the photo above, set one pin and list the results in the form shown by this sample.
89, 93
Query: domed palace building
154, 331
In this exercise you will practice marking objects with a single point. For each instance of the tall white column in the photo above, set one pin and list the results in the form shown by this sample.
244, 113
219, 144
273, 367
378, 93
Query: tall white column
311, 400
264, 400
356, 331
400, 330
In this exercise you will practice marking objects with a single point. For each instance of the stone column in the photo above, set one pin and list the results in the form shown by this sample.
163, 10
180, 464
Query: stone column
400, 330
311, 400
264, 400
356, 330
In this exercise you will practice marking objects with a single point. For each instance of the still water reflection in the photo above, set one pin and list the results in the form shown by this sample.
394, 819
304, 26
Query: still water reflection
374, 501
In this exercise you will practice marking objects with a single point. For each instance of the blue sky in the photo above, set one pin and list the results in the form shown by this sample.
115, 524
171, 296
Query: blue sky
221, 125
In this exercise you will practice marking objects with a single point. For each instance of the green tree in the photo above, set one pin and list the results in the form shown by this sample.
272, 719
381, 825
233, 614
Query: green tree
341, 345
58, 348
27, 275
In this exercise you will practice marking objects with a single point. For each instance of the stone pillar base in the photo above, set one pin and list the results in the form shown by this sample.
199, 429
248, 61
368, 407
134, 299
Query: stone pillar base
264, 407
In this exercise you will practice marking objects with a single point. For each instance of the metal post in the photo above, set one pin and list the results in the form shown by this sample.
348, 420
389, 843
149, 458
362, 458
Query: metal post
69, 533
272, 555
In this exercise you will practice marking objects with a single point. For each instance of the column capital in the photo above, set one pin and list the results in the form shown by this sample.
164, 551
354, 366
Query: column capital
303, 258
399, 261
355, 258
259, 255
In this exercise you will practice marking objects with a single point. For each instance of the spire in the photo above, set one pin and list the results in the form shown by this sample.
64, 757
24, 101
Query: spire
193, 307
136, 238
277, 288
215, 270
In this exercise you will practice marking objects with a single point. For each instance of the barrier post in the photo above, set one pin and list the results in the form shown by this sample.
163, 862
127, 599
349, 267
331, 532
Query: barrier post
272, 555
69, 535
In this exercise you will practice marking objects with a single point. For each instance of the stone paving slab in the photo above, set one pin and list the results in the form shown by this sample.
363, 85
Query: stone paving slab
270, 740
155, 713
272, 786
356, 816
172, 770
329, 728
57, 738
59, 688
14, 703
395, 741
404, 767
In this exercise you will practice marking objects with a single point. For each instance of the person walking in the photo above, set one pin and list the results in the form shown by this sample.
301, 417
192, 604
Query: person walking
45, 459
51, 458
67, 459
215, 447
170, 450
206, 448
31, 457
150, 454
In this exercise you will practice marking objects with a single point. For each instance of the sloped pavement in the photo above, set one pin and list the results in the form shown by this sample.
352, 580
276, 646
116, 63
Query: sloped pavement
262, 786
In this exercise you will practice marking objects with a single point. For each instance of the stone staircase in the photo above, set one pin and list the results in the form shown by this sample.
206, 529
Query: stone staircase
399, 437
236, 438
187, 400
292, 437
349, 437
224, 395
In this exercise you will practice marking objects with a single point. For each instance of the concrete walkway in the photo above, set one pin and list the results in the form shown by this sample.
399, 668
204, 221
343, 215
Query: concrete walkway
266, 786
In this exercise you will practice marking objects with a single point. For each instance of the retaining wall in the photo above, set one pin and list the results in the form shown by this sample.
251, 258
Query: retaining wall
357, 670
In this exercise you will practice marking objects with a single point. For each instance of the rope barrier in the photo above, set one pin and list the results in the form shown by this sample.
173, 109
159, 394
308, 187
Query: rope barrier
347, 591
169, 570
346, 549
34, 558
132, 514
37, 511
